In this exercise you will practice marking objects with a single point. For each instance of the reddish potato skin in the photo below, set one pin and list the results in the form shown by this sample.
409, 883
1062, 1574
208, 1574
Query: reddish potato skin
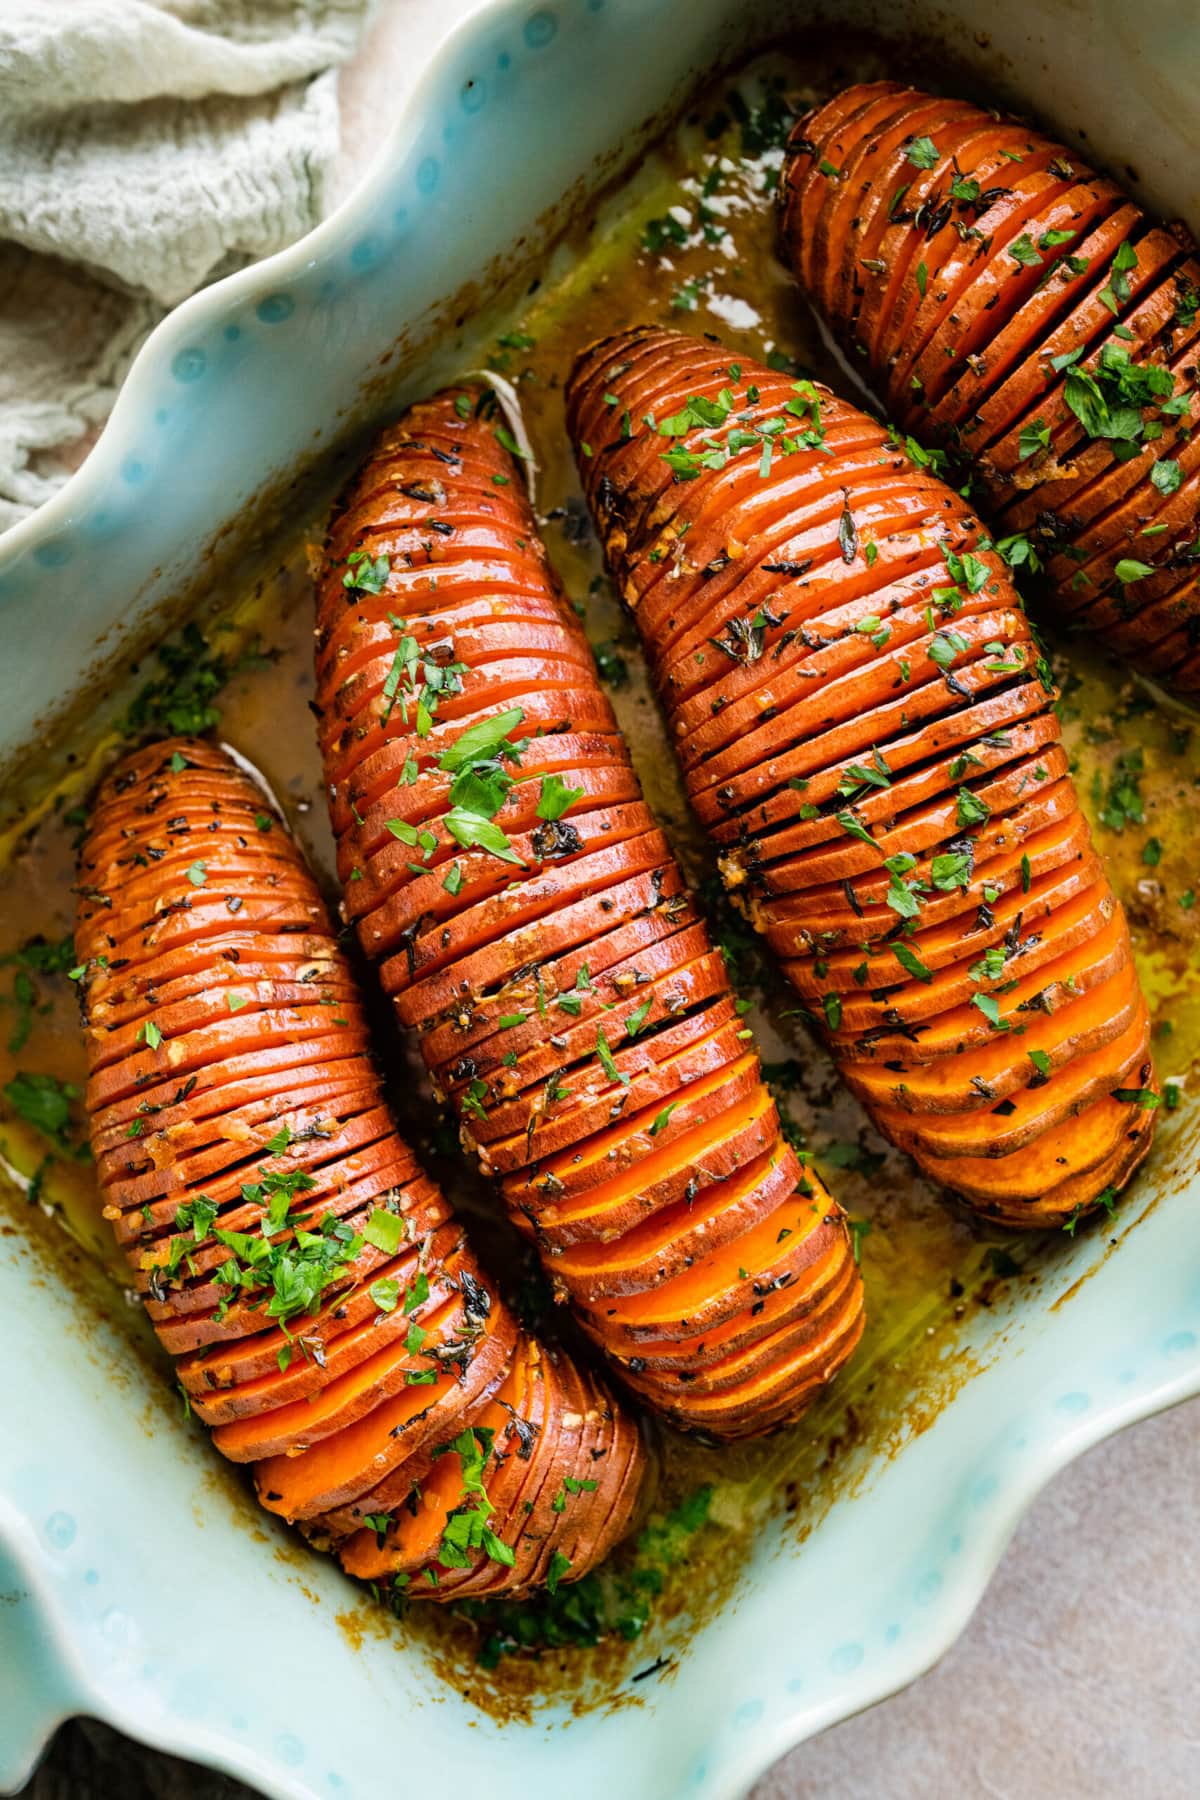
229, 1057
1009, 275
567, 998
868, 733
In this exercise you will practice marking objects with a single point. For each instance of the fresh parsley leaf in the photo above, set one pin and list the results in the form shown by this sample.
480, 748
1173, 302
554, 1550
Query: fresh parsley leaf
922, 153
556, 797
662, 1118
384, 1230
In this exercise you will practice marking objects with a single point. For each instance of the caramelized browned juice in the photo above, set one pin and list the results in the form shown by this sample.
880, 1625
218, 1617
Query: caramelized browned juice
688, 240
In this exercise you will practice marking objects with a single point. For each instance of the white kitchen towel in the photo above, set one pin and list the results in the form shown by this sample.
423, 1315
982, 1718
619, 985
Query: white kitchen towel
146, 147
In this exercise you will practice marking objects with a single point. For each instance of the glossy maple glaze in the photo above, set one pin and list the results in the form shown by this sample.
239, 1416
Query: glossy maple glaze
328, 1318
565, 992
1011, 304
867, 731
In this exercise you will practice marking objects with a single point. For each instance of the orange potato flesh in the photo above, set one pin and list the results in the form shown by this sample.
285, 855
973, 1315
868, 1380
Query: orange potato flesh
329, 1316
980, 313
903, 827
569, 1003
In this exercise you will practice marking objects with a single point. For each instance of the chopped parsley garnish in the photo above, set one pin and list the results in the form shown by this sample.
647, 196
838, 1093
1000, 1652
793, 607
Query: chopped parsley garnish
179, 703
384, 1230
1128, 569
858, 1229
908, 959
614, 670
290, 1273
1033, 438
852, 827
605, 1055
970, 809
637, 1018
1117, 293
945, 647
1022, 250
1146, 1098
922, 153
478, 762
800, 429
44, 1102
417, 681
366, 574
559, 1565
989, 1006
416, 1293
385, 1293
1110, 401
37, 957
507, 441
1122, 804
556, 797
466, 1528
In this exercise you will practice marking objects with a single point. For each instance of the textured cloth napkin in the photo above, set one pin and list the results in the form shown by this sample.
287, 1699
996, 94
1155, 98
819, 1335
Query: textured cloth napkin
146, 147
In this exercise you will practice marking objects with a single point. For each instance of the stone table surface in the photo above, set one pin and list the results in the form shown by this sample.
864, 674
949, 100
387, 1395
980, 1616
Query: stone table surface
1075, 1679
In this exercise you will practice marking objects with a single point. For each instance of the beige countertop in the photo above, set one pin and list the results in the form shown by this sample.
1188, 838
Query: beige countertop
1075, 1679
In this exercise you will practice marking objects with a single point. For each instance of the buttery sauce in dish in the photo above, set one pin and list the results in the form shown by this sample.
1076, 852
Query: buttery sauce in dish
687, 241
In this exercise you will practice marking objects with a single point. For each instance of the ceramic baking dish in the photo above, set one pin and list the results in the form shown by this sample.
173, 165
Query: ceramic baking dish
134, 1588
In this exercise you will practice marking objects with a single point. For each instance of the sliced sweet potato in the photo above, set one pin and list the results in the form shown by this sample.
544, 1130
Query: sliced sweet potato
994, 311
331, 1323
1032, 1111
568, 1000
894, 808
727, 1121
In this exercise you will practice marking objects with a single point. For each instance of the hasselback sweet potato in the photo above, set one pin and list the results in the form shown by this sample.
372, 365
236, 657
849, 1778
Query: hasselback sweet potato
330, 1322
531, 925
868, 734
1016, 308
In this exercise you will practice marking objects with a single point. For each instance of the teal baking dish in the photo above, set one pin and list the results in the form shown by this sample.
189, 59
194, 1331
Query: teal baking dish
136, 1586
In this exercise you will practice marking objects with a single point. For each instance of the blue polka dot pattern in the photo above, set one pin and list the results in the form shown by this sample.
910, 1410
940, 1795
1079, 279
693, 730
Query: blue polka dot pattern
367, 252
540, 29
60, 1530
275, 309
189, 364
55, 553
